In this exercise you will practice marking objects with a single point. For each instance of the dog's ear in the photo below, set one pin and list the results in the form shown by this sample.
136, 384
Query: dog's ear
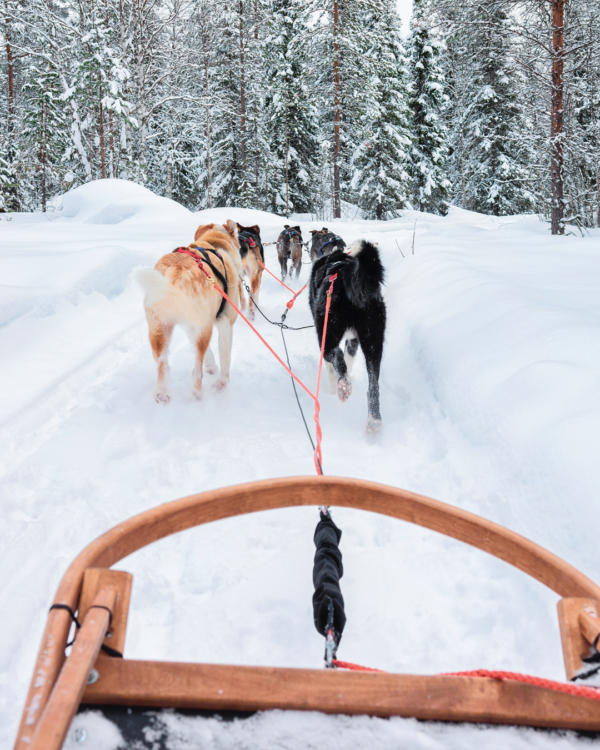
231, 227
239, 226
297, 229
256, 229
314, 231
325, 230
286, 226
202, 230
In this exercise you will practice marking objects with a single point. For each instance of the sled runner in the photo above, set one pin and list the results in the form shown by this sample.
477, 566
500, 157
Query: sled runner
99, 598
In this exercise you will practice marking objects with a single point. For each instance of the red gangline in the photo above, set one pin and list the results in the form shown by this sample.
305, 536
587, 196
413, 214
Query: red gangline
355, 667
290, 304
319, 433
315, 398
273, 275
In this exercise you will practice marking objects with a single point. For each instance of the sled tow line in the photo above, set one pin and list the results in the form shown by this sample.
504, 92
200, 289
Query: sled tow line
315, 397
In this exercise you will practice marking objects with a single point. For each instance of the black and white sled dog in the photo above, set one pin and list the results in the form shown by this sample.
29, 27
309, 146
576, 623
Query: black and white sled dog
357, 316
324, 242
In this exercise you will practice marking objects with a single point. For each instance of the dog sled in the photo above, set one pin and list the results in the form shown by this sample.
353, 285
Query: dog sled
94, 674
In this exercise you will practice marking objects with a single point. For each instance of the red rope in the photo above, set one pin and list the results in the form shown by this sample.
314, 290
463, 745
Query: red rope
290, 304
275, 277
315, 398
319, 433
355, 667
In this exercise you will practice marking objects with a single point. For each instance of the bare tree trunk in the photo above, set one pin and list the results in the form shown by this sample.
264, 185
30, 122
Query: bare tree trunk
206, 41
169, 190
111, 145
242, 97
557, 117
287, 179
11, 79
13, 204
102, 146
336, 134
43, 154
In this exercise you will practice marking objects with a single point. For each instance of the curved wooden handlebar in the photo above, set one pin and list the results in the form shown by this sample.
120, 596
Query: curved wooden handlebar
179, 515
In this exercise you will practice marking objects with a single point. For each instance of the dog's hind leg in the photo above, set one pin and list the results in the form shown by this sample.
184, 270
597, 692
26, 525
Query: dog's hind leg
202, 345
255, 288
372, 346
225, 340
344, 385
160, 334
210, 363
350, 351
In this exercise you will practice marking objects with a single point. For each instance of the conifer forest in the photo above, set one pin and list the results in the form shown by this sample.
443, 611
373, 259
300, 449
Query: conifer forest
305, 107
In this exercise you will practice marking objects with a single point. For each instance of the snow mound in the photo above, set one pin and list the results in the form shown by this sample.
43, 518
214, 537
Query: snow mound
117, 202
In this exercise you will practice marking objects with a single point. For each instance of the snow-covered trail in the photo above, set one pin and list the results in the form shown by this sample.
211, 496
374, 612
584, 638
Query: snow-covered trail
471, 400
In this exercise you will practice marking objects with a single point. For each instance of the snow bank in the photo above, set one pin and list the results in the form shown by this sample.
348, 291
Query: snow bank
117, 202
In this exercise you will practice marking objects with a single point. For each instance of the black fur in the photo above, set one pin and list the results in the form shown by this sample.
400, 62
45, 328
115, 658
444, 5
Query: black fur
356, 303
246, 233
324, 242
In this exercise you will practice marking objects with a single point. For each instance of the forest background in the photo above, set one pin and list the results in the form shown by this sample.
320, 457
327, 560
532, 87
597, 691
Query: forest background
307, 106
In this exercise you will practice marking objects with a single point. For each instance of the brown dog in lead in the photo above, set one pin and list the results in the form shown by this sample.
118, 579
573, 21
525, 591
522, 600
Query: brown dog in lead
289, 247
180, 290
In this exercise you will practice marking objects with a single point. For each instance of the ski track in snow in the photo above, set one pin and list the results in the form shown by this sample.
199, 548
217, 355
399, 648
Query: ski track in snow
490, 401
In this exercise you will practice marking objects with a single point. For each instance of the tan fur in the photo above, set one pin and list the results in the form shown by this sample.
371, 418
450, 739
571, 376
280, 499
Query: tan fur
178, 292
253, 271
221, 236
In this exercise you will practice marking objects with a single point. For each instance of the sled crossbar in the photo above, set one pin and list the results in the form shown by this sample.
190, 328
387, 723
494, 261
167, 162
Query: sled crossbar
251, 688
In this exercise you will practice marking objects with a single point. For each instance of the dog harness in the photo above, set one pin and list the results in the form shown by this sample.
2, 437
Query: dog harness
245, 237
205, 259
334, 241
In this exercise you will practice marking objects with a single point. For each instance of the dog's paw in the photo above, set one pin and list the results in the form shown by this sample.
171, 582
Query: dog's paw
344, 389
220, 384
251, 314
373, 428
162, 397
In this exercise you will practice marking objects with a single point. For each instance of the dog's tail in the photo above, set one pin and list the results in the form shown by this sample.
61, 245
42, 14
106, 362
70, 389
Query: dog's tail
154, 285
368, 275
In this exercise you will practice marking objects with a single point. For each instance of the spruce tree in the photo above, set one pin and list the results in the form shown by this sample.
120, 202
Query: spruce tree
381, 178
429, 152
498, 137
288, 111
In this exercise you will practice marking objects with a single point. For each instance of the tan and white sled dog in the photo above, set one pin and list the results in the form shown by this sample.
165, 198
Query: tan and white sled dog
178, 292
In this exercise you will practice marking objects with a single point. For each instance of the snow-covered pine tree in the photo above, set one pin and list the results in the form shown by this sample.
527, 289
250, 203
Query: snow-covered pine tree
289, 111
494, 140
380, 162
429, 152
44, 133
336, 46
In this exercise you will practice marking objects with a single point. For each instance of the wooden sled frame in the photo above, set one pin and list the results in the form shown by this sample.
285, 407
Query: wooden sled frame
101, 597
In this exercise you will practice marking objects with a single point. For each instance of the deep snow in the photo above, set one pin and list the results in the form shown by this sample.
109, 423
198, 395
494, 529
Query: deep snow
490, 401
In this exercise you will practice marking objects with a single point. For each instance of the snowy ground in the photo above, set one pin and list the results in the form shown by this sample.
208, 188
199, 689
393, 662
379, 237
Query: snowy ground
490, 400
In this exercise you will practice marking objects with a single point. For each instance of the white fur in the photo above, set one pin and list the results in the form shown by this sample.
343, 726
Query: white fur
154, 285
355, 247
